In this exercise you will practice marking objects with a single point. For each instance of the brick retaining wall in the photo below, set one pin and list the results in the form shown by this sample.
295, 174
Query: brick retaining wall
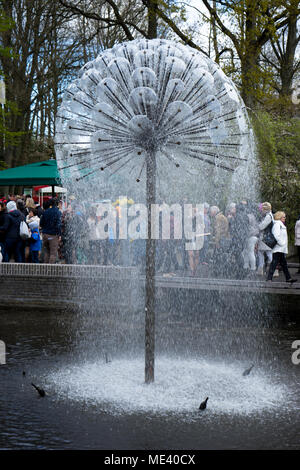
54, 286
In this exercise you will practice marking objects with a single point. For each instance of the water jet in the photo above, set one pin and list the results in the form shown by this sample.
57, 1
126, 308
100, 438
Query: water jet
146, 107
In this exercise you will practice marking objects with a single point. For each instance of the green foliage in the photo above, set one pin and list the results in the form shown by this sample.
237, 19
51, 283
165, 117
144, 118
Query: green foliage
278, 148
40, 150
3, 165
6, 24
8, 137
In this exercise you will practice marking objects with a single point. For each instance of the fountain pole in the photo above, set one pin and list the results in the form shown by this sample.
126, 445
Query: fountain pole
150, 272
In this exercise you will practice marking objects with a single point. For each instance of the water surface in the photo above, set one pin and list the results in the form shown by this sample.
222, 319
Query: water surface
92, 370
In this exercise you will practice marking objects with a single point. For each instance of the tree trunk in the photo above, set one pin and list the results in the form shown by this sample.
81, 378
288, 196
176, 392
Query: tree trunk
250, 75
215, 36
152, 19
287, 66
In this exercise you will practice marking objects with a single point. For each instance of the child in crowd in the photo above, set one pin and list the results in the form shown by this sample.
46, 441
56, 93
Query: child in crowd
35, 242
32, 216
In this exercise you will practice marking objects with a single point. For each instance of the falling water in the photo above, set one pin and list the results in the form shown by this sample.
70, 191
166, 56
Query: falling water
153, 96
163, 99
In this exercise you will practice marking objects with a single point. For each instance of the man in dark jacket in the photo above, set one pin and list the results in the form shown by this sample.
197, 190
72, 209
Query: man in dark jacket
50, 224
14, 245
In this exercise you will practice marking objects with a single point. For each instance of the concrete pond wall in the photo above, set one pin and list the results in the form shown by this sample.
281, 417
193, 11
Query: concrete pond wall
66, 286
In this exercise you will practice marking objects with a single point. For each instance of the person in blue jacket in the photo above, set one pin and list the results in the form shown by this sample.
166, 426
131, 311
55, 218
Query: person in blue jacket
35, 242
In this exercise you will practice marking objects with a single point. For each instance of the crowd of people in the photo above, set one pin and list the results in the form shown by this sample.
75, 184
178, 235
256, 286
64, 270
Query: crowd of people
247, 240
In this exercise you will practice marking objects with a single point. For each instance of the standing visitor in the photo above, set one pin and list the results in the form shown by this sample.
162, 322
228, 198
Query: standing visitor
94, 254
35, 242
29, 204
297, 240
220, 230
205, 248
50, 224
39, 209
80, 241
240, 233
171, 263
21, 207
3, 215
281, 248
31, 217
248, 252
230, 213
12, 197
194, 252
14, 245
263, 249
67, 236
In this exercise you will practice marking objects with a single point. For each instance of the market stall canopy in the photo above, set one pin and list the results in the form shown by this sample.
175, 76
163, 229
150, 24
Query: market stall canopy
44, 172
48, 189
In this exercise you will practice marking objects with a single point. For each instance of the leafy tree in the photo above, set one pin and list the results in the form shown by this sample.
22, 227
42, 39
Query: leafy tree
278, 144
254, 24
9, 109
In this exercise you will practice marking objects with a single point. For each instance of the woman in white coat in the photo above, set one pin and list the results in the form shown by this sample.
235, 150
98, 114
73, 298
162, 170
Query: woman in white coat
281, 248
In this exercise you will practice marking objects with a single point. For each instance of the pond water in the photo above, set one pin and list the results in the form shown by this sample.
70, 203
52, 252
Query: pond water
91, 367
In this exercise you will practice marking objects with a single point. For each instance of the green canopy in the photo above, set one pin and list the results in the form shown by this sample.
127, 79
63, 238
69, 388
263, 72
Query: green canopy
39, 173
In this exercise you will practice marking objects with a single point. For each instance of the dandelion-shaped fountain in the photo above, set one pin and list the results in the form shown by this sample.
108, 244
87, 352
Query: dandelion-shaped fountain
145, 108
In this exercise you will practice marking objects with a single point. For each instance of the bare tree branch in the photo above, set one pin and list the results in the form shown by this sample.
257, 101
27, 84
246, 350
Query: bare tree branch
118, 20
179, 33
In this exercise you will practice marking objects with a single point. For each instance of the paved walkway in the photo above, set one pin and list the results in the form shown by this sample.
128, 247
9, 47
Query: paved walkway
204, 279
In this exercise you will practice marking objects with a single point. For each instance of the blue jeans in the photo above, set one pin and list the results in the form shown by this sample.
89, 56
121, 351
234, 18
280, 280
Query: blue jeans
34, 256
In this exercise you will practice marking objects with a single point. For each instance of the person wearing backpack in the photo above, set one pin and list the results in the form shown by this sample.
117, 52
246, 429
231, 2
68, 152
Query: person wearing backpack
14, 245
263, 248
281, 248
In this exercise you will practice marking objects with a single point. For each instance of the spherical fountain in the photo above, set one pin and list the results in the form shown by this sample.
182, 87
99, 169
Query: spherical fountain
151, 100
157, 114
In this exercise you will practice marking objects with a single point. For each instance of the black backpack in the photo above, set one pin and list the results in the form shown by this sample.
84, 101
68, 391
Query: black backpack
268, 237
